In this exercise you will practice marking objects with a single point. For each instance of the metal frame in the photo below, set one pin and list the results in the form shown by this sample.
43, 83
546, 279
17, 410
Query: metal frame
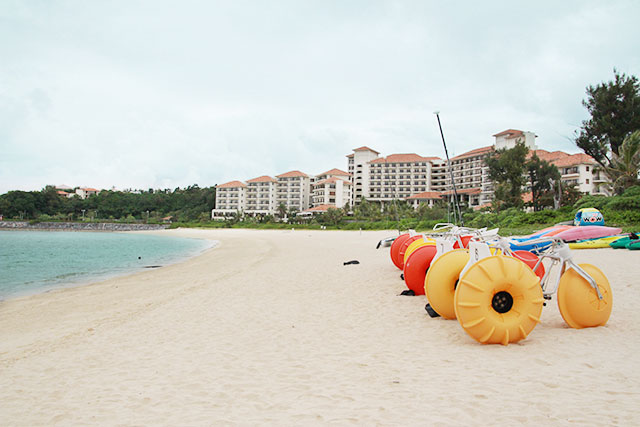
559, 253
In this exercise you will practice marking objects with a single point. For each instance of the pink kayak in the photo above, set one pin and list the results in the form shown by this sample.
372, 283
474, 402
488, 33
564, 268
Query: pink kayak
588, 232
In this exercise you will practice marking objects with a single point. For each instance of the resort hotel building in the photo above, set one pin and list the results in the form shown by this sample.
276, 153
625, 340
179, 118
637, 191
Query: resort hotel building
409, 177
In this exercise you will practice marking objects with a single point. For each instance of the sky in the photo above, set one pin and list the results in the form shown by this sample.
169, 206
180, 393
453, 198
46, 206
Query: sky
165, 94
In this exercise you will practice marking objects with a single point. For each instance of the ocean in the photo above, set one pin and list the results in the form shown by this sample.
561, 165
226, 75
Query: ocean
37, 261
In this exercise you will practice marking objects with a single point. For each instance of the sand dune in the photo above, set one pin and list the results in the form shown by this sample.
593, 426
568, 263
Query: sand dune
271, 328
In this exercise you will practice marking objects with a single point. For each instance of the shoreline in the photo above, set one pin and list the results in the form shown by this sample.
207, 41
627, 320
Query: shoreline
79, 226
272, 328
115, 272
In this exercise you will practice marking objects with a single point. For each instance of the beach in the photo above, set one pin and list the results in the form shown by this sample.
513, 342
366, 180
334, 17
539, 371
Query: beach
271, 328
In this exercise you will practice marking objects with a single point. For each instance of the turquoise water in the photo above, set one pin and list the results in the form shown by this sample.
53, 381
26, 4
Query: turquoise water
37, 261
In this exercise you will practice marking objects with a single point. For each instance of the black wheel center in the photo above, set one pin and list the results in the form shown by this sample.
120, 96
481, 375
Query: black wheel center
502, 302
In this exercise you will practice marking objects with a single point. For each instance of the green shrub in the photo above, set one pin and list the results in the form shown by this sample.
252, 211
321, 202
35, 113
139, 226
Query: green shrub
591, 201
632, 191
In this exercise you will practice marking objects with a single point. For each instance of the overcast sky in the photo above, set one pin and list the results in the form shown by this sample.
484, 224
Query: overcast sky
165, 94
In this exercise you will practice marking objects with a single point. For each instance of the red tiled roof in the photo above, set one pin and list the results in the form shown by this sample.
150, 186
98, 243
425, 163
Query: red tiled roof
562, 159
426, 195
263, 178
231, 184
292, 174
462, 191
485, 205
365, 148
403, 158
331, 180
88, 189
474, 152
547, 156
574, 159
320, 208
335, 171
509, 133
349, 155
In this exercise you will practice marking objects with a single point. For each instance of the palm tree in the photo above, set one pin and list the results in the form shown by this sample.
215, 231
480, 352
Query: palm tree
282, 210
625, 166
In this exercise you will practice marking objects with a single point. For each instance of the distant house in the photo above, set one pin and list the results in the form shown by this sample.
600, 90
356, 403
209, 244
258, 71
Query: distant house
428, 197
85, 192
65, 194
167, 219
316, 210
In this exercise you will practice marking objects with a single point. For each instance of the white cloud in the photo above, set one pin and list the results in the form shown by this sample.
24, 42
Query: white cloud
159, 94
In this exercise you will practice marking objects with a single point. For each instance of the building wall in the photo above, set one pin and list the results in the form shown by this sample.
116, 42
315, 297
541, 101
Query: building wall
359, 168
337, 193
294, 192
505, 141
261, 198
229, 200
398, 180
586, 177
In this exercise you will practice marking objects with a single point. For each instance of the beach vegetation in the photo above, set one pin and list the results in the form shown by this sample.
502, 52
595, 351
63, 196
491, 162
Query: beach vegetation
186, 204
625, 166
542, 176
614, 108
507, 171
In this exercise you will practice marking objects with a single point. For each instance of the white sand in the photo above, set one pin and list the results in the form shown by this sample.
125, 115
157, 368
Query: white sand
271, 328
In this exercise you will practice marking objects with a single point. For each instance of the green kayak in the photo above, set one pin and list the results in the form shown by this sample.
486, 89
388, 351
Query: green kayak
634, 245
622, 243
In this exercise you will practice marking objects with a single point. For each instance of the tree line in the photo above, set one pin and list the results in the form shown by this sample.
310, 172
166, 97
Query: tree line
182, 204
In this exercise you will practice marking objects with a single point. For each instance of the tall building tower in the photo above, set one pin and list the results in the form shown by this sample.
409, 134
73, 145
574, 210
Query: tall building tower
358, 163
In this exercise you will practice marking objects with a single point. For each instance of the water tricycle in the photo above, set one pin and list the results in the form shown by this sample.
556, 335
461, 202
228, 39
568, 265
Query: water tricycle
497, 292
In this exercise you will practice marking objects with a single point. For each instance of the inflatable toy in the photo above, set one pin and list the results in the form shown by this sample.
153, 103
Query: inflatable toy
498, 300
588, 216
417, 266
441, 281
395, 248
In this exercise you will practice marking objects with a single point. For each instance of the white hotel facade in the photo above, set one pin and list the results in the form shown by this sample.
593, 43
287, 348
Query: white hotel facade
407, 176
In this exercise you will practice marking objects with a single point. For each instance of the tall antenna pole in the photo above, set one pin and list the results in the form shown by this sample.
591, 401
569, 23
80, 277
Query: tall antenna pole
453, 182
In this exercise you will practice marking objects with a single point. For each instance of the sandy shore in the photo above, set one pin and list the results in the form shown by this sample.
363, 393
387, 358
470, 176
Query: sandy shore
271, 328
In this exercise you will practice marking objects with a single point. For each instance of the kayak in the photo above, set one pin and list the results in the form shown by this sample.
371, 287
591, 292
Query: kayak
585, 232
549, 231
621, 243
603, 242
634, 245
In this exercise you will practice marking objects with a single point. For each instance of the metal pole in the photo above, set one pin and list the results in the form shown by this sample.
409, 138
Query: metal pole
453, 183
